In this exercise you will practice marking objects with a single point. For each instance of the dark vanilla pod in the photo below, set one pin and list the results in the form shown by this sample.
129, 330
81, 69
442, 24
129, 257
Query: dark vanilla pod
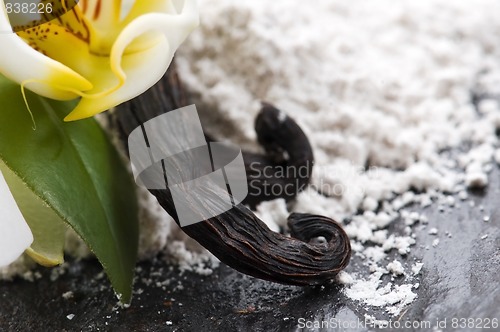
237, 237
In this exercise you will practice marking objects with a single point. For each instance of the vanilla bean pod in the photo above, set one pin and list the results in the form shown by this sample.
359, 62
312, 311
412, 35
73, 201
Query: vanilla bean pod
286, 167
237, 237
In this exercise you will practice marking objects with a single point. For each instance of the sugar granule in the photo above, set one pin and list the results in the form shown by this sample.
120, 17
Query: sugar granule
396, 268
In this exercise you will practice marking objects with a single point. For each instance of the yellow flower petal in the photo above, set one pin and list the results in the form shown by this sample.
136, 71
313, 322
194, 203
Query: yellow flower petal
140, 70
41, 74
96, 52
153, 61
142, 7
104, 14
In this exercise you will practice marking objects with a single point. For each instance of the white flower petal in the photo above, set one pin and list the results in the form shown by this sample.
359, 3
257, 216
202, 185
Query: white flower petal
15, 235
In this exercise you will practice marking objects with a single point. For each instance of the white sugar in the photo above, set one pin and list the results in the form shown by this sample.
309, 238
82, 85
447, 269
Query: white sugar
476, 179
273, 213
416, 268
396, 268
391, 92
391, 297
433, 231
497, 156
68, 295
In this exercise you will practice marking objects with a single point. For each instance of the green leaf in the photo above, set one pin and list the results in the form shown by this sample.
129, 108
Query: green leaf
47, 227
74, 169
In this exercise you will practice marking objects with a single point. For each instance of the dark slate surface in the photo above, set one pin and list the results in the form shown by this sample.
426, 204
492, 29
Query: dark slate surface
460, 279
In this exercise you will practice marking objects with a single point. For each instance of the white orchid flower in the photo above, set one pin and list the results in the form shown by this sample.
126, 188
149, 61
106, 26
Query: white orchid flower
103, 51
15, 234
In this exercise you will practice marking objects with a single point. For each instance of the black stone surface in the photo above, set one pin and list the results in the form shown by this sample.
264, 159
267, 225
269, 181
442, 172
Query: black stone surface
460, 279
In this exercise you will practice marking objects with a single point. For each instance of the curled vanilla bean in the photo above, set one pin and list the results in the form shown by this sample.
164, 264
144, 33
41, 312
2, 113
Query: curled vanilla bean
286, 167
318, 247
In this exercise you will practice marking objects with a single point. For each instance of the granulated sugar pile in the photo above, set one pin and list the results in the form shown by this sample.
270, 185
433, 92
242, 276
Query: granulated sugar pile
382, 89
